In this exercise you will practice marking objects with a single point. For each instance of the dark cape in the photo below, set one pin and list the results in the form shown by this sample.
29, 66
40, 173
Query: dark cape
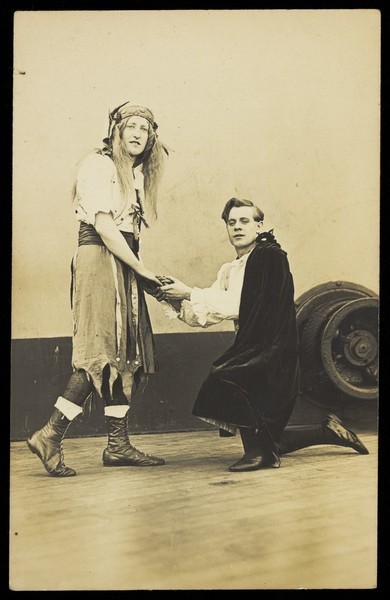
256, 380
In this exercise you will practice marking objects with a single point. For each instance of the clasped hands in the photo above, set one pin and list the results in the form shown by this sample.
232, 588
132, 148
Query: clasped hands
171, 289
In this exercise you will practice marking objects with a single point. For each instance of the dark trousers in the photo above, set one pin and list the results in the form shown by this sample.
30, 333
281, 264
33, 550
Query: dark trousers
294, 437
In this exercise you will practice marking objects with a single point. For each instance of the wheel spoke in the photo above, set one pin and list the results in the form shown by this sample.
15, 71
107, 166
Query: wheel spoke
372, 371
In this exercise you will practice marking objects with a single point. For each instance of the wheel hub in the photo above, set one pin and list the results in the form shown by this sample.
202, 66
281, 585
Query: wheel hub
360, 347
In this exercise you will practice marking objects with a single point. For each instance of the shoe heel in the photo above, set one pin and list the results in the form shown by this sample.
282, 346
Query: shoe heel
31, 447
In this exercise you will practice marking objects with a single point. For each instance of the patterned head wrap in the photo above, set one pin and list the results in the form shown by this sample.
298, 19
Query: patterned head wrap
124, 111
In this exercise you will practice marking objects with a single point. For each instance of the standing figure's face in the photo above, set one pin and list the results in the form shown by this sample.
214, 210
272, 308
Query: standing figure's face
242, 228
135, 135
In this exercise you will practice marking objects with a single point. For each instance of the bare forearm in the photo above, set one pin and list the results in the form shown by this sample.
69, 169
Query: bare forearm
115, 242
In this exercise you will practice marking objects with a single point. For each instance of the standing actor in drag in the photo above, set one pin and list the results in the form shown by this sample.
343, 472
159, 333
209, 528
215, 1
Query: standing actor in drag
113, 349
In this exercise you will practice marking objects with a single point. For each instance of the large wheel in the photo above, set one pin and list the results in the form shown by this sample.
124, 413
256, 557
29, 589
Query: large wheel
349, 348
312, 330
328, 372
327, 293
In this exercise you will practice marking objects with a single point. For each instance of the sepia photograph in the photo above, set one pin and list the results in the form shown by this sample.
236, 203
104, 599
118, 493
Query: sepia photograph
195, 297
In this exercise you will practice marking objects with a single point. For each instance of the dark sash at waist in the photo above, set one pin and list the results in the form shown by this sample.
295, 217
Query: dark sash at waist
89, 236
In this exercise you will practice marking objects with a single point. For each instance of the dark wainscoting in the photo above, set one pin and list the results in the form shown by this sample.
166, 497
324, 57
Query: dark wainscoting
41, 367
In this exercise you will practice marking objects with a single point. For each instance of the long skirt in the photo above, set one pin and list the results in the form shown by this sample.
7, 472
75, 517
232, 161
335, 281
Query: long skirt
111, 320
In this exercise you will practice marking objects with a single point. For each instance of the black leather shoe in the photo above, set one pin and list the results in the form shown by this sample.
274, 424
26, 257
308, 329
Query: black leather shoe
255, 463
345, 437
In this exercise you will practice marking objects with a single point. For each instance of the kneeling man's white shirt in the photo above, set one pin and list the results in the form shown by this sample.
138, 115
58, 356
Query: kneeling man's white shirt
220, 301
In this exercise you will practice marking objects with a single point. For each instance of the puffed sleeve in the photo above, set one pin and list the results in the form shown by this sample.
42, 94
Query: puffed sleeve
94, 187
208, 306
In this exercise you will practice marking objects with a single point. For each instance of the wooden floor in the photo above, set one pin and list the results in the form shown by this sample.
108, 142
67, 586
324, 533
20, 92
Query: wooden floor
191, 524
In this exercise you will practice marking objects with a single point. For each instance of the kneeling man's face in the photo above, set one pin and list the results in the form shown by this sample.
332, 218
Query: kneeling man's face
242, 228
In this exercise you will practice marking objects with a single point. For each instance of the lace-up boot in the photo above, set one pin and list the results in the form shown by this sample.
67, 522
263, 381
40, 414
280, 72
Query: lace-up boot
119, 451
46, 443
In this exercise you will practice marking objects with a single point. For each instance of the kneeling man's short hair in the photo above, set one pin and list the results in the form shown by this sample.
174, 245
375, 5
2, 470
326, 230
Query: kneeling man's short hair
236, 202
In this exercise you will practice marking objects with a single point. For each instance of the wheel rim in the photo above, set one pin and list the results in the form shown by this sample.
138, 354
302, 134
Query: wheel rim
326, 293
311, 332
349, 348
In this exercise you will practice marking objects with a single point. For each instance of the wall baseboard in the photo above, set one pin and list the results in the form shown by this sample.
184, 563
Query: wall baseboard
41, 368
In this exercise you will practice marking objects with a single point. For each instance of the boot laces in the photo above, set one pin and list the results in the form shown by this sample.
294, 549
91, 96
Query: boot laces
62, 458
61, 454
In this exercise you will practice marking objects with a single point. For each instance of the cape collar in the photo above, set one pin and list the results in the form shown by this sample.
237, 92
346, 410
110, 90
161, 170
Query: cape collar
268, 237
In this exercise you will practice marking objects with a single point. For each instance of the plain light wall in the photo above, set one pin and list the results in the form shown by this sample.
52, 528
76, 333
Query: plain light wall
281, 107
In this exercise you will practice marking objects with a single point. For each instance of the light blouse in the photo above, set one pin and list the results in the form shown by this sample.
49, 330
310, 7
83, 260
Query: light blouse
98, 190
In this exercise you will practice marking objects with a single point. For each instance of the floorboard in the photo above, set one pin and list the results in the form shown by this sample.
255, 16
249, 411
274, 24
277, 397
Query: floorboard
191, 524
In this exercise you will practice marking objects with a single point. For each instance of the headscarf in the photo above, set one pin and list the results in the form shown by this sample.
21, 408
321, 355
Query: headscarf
124, 111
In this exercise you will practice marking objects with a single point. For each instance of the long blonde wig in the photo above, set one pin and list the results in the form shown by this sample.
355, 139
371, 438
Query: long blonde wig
152, 158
